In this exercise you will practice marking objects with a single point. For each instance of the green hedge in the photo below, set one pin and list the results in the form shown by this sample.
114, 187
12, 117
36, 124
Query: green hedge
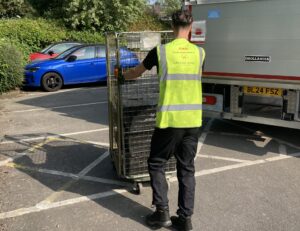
31, 35
20, 37
11, 69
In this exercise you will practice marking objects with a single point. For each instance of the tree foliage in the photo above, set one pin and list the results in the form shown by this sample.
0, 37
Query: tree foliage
49, 8
96, 15
102, 15
172, 5
12, 8
148, 21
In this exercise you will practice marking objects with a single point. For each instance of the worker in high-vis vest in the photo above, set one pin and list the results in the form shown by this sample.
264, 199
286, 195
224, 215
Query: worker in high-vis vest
178, 120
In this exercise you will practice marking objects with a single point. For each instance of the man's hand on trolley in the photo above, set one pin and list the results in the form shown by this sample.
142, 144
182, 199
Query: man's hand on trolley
119, 75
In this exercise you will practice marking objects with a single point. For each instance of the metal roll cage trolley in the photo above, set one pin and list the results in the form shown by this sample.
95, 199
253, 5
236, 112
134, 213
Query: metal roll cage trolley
132, 104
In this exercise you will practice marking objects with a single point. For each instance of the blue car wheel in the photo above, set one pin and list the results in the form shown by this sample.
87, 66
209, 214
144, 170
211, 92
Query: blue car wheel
52, 82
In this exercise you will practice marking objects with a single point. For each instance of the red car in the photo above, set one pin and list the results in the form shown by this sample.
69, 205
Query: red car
52, 50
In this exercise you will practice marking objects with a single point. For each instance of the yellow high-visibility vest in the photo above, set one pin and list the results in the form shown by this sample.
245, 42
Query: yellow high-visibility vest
180, 98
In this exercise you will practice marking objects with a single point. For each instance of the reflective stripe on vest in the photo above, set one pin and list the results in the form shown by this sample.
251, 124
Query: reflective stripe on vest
180, 100
184, 107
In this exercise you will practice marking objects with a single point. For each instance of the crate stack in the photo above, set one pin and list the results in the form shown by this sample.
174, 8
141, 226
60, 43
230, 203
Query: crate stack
139, 99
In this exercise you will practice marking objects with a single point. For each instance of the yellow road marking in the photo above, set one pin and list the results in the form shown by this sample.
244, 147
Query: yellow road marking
50, 199
40, 145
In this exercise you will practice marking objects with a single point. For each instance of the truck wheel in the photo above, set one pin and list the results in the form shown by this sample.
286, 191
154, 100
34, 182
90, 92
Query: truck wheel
52, 82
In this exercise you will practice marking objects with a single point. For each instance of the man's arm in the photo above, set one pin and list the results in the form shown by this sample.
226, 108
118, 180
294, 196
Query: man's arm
135, 72
149, 62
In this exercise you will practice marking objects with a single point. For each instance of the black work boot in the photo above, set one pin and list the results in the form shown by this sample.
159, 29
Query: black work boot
160, 218
182, 223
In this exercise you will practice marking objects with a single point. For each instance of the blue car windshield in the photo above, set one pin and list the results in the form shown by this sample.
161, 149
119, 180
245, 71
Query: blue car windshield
66, 53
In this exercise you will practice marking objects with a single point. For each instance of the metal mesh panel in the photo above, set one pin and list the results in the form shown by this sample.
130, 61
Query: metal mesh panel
132, 105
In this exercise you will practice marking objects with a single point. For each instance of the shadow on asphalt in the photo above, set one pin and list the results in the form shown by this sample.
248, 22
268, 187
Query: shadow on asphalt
70, 156
60, 101
249, 138
72, 86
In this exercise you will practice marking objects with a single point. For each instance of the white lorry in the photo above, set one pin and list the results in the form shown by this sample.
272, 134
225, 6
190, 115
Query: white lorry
252, 67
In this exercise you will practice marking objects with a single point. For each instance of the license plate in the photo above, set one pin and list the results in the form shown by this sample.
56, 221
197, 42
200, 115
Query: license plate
263, 91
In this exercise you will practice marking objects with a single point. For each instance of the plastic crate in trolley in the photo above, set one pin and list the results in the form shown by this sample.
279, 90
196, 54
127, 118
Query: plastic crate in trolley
132, 104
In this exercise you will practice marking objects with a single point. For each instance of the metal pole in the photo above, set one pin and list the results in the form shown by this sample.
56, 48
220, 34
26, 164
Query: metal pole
121, 164
108, 73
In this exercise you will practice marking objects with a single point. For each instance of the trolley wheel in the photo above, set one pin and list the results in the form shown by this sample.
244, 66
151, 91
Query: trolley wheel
137, 188
288, 116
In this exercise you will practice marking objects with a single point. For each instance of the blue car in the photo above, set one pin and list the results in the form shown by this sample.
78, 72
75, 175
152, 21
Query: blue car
79, 64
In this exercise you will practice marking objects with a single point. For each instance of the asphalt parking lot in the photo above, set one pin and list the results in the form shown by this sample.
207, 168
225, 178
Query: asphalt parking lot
56, 173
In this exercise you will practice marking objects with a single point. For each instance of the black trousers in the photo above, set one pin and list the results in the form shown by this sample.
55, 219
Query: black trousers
181, 142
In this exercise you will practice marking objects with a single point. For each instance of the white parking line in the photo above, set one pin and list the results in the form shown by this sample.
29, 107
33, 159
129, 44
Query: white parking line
98, 143
222, 158
240, 165
66, 186
204, 135
287, 143
93, 164
283, 157
55, 136
234, 134
70, 175
106, 181
282, 149
11, 159
46, 206
282, 154
67, 90
228, 167
6, 161
42, 207
58, 107
42, 170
